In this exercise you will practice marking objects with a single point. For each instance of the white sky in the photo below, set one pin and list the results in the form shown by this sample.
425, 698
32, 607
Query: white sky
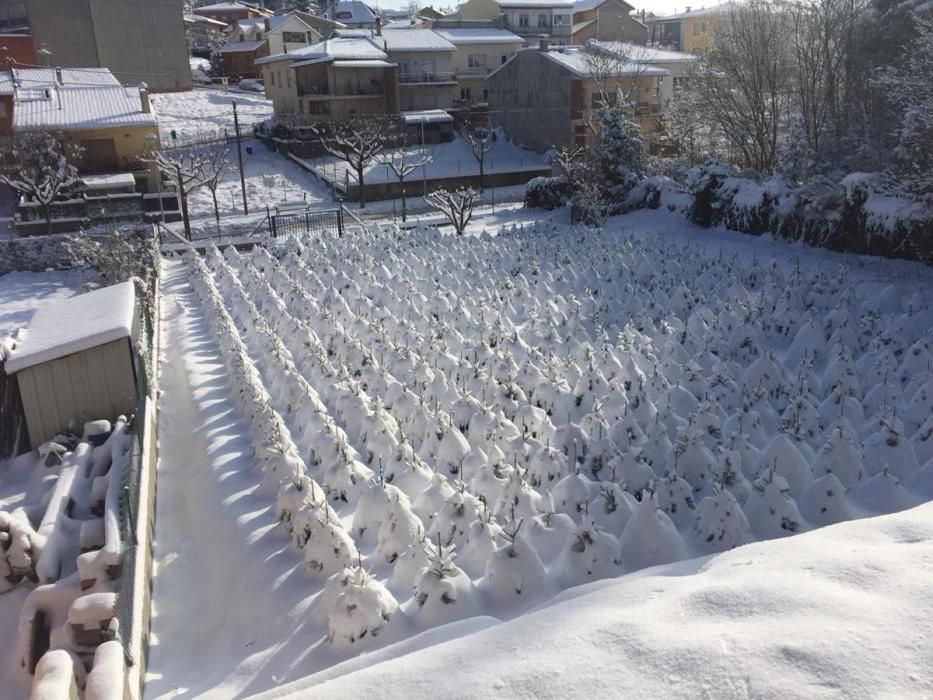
659, 7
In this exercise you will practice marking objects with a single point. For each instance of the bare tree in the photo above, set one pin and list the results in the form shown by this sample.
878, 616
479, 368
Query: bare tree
186, 168
456, 205
480, 139
214, 166
403, 162
41, 171
356, 141
744, 84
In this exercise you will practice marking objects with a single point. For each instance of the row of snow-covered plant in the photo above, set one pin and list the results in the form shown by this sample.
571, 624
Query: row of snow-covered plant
451, 425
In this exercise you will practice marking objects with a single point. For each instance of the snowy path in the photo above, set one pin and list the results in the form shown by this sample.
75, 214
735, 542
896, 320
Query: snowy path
228, 592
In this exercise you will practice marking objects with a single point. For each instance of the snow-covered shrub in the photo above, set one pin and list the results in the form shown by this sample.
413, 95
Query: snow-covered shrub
443, 593
362, 610
546, 193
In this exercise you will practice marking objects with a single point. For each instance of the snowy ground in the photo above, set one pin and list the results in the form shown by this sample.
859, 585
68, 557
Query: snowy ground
843, 612
205, 112
447, 160
21, 293
714, 318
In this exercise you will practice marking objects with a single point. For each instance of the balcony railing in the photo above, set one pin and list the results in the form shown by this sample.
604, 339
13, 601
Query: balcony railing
426, 78
375, 90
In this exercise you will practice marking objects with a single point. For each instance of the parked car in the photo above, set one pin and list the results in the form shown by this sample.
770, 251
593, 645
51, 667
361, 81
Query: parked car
251, 85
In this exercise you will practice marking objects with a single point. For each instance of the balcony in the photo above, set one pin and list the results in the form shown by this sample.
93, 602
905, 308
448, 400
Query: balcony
323, 92
427, 78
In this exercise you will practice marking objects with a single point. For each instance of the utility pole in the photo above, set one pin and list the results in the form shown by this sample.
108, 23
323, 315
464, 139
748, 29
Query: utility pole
239, 154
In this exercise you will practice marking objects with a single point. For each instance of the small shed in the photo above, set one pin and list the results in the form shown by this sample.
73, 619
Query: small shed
74, 361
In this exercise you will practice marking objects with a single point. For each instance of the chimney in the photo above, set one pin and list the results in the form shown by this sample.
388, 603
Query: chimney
542, 44
144, 98
265, 21
58, 75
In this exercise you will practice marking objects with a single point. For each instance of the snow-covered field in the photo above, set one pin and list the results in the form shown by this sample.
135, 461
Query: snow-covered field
447, 160
205, 112
386, 443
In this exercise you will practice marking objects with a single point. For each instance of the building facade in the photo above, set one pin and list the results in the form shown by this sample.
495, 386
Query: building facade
607, 20
479, 51
137, 41
691, 31
544, 97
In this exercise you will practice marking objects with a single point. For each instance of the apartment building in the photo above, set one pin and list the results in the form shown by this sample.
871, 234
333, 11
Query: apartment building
543, 97
691, 31
479, 51
404, 70
607, 20
677, 63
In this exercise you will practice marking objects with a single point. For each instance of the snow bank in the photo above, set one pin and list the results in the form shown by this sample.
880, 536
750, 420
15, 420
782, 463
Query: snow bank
847, 609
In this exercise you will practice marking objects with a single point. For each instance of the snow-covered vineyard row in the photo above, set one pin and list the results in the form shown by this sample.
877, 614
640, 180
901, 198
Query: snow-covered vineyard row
449, 426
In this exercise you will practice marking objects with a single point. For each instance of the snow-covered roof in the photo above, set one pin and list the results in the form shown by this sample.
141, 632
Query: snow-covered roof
479, 36
428, 116
336, 49
353, 12
701, 12
561, 4
414, 40
109, 182
224, 7
369, 63
239, 46
84, 98
644, 54
198, 19
75, 324
353, 33
577, 62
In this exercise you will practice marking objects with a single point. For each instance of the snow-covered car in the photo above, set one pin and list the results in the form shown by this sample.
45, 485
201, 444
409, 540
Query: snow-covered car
251, 85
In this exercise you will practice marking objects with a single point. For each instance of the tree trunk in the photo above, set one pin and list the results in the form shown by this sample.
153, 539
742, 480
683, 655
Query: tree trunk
183, 200
47, 213
401, 182
216, 209
359, 179
482, 172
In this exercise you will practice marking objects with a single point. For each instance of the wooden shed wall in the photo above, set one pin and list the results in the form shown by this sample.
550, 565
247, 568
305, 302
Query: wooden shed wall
96, 383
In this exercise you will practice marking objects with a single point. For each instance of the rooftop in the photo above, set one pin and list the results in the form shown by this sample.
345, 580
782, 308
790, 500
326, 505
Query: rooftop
568, 4
579, 63
700, 12
337, 49
75, 324
353, 12
479, 36
414, 40
84, 98
643, 54
238, 46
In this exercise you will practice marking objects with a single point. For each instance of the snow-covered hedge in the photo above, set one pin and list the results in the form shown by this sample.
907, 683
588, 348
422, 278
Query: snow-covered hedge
546, 193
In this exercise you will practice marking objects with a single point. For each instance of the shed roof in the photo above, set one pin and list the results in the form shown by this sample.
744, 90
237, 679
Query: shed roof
75, 324
427, 116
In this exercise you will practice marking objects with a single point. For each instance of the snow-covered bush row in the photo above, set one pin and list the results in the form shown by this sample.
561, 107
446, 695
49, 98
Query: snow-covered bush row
300, 501
553, 406
856, 214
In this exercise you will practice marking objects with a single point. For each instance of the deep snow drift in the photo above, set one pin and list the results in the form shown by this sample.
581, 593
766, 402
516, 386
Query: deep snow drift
370, 437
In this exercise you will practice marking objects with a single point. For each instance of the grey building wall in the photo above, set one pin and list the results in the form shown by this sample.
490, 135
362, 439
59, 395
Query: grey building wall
139, 40
529, 97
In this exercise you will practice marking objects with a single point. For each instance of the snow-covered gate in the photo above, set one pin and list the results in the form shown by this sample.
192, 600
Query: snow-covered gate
294, 225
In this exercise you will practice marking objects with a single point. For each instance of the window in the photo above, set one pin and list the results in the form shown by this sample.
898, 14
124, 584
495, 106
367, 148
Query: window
680, 82
485, 93
696, 30
273, 76
476, 60
504, 59
293, 37
258, 36
466, 94
703, 27
310, 36
242, 37
288, 77
524, 21
542, 20
301, 106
